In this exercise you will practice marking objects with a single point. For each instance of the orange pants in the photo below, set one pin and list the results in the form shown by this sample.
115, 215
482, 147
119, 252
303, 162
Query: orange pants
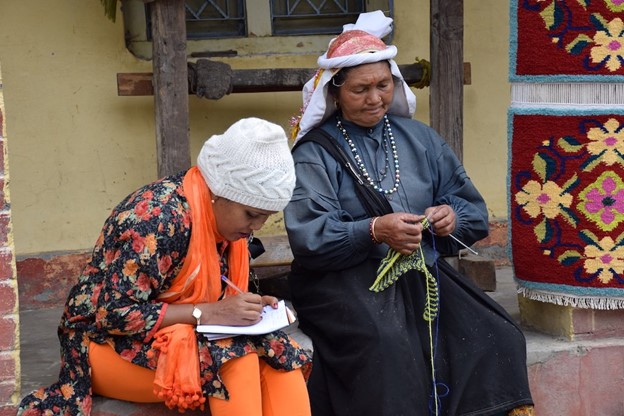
255, 388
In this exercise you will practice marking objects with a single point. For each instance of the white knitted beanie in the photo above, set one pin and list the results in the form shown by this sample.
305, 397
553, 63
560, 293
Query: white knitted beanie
250, 164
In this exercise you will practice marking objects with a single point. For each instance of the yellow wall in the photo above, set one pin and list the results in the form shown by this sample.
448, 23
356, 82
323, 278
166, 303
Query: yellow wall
77, 148
486, 47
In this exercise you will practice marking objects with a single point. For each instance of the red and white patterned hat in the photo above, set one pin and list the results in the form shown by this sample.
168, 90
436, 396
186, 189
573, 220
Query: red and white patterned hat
358, 44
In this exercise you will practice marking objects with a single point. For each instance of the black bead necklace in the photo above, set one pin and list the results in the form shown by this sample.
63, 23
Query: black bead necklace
360, 162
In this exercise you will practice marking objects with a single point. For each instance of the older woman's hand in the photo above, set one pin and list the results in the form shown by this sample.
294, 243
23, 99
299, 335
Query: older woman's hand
401, 231
442, 219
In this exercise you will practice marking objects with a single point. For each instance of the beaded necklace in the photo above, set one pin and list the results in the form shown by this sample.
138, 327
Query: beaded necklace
360, 163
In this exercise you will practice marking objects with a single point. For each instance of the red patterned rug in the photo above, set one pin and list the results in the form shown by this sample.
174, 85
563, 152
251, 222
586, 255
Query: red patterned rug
566, 199
567, 40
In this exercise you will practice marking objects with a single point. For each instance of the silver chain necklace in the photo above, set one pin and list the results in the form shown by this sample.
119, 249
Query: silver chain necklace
360, 162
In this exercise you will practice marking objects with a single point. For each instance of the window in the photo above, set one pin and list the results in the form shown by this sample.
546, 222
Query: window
207, 19
310, 17
246, 27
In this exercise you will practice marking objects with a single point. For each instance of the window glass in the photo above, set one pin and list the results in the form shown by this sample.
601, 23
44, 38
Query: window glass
208, 19
312, 17
249, 27
214, 18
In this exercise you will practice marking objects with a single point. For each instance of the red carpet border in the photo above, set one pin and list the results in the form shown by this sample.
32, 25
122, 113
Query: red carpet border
567, 40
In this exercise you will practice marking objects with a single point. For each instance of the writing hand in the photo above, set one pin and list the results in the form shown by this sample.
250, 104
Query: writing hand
270, 300
240, 309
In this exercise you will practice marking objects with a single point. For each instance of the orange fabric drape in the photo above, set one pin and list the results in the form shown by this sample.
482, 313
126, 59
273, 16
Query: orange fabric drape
199, 280
177, 379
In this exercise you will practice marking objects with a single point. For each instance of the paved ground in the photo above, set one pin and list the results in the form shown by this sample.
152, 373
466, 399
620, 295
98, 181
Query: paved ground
40, 346
572, 378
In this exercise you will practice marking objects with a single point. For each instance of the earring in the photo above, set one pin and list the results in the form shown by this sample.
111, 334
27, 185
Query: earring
212, 200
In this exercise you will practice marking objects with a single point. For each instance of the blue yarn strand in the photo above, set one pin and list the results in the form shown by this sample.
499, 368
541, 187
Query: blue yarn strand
436, 396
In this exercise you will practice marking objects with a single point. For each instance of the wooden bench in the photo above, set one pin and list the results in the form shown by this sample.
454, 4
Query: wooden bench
277, 252
273, 265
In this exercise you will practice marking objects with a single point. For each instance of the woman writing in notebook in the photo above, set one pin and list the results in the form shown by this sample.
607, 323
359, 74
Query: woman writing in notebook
128, 329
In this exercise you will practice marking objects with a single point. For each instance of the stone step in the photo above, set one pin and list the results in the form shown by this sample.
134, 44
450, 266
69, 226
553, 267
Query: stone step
574, 378
109, 407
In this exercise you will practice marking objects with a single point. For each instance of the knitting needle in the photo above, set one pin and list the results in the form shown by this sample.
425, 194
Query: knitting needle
451, 235
456, 239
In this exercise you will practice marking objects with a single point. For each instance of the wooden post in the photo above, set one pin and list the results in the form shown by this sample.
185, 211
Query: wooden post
447, 72
170, 86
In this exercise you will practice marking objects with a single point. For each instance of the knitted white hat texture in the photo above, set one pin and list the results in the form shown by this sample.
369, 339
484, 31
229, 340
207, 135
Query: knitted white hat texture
250, 164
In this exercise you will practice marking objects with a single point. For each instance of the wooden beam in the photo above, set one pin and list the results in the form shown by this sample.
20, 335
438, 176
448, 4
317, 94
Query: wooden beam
256, 80
447, 71
170, 81
131, 84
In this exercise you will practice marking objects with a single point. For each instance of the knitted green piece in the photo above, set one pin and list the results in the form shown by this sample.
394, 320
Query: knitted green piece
395, 264
433, 301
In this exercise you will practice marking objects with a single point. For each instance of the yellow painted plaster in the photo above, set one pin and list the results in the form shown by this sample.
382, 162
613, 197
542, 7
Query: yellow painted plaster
77, 148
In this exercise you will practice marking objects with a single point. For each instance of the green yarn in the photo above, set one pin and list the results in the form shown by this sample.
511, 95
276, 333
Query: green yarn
394, 265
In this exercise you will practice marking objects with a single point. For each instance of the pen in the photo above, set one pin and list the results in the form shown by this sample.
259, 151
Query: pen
231, 284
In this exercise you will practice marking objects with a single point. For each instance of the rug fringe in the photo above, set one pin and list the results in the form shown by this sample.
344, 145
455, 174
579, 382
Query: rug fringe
561, 299
596, 94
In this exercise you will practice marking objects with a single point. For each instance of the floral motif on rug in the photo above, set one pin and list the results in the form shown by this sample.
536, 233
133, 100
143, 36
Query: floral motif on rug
567, 40
566, 202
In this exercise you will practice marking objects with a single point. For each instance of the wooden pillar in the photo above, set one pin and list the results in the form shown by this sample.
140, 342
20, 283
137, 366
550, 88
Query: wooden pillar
447, 71
170, 86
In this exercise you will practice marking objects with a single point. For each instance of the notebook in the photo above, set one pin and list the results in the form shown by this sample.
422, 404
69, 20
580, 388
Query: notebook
272, 320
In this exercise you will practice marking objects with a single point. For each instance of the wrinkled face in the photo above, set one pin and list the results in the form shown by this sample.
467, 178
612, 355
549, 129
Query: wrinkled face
236, 221
366, 94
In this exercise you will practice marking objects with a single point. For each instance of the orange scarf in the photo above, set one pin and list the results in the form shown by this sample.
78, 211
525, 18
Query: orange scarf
177, 378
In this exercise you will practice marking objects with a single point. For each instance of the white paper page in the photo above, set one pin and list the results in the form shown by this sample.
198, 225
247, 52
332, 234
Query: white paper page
272, 320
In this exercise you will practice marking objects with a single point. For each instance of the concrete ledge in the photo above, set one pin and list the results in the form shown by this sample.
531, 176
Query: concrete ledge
572, 378
108, 407
569, 322
584, 377
576, 378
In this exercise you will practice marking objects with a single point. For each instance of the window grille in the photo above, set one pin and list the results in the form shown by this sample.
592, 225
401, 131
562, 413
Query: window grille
215, 19
313, 17
209, 19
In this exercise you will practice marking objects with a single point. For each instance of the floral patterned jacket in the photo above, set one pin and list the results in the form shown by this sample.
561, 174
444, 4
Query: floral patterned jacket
141, 248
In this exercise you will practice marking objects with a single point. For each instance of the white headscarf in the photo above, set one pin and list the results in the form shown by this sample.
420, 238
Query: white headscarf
318, 105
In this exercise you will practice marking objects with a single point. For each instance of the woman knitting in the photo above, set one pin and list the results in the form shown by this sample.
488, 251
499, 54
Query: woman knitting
396, 331
128, 329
